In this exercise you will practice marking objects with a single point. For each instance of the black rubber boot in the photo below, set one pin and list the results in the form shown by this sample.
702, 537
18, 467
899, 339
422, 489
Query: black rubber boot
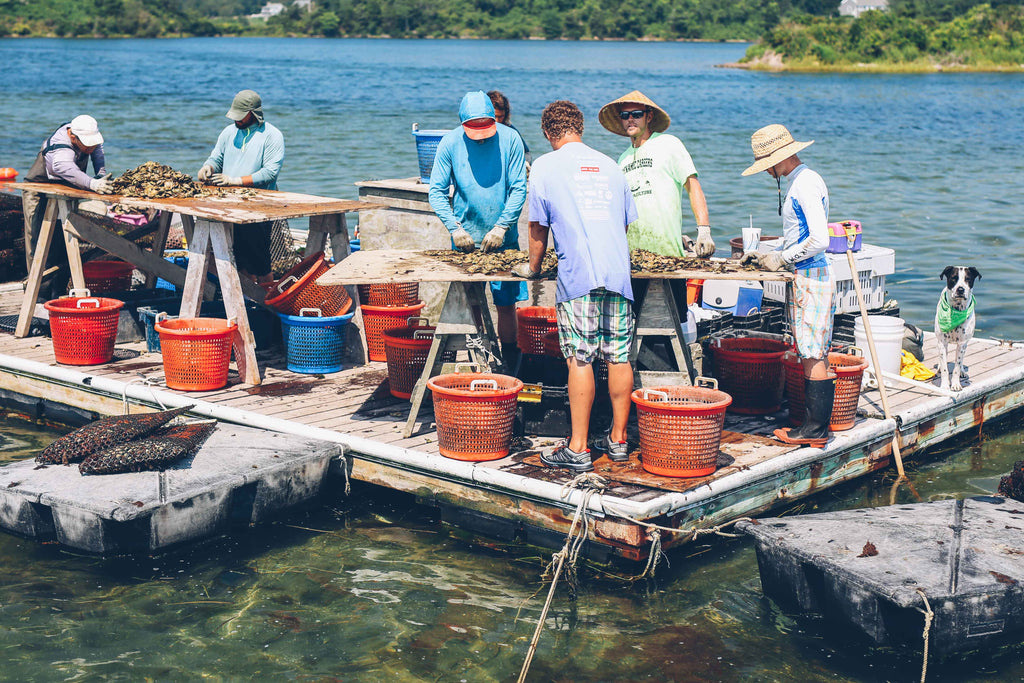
818, 397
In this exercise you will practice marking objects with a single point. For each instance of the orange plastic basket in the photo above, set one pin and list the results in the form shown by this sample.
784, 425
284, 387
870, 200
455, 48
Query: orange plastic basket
849, 370
107, 276
750, 370
84, 329
297, 289
681, 428
475, 414
406, 349
552, 347
379, 319
532, 323
389, 294
196, 352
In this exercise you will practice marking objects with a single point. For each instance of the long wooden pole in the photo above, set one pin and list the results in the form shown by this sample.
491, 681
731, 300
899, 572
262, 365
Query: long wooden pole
850, 236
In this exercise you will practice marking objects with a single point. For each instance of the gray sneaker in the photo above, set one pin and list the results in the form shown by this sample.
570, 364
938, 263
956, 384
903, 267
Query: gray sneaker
563, 456
617, 451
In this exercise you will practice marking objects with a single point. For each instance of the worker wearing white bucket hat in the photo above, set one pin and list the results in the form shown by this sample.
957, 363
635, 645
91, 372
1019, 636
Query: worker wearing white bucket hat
811, 307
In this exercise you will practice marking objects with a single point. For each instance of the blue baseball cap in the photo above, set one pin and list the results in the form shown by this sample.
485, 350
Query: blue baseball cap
477, 115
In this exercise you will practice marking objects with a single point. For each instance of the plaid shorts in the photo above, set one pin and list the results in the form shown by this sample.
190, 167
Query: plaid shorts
598, 324
811, 311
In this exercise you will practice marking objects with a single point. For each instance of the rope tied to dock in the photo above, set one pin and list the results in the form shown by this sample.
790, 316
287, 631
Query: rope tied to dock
475, 343
929, 617
145, 381
579, 531
655, 557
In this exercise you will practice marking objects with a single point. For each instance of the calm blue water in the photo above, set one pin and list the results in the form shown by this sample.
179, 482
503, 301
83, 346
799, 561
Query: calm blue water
372, 589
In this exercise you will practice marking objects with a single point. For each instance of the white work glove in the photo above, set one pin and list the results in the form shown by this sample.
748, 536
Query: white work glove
705, 246
494, 239
688, 249
772, 261
224, 180
204, 173
462, 240
100, 186
523, 270
750, 259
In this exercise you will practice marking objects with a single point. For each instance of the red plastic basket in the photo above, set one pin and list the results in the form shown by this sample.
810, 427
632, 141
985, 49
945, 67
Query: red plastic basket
749, 369
552, 347
475, 414
379, 319
297, 289
107, 276
84, 329
849, 370
532, 323
681, 428
196, 352
406, 349
389, 294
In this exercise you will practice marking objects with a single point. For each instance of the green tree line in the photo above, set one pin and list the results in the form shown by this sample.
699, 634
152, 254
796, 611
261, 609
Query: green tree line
912, 35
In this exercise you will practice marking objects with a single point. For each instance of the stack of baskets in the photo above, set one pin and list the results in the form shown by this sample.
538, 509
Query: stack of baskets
387, 307
475, 414
749, 369
297, 289
83, 328
406, 349
849, 369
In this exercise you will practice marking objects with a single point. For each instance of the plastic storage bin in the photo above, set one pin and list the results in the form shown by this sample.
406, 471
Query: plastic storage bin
681, 428
475, 414
84, 329
837, 240
426, 149
314, 344
873, 264
196, 352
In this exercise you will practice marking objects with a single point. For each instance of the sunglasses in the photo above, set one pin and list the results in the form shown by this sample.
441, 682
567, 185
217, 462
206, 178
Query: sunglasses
634, 114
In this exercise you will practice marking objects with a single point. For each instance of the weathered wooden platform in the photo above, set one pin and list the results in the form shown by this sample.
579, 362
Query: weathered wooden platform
880, 570
240, 476
514, 497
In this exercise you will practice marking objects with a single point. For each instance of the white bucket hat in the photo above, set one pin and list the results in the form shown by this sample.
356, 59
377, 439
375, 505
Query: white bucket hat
771, 145
87, 130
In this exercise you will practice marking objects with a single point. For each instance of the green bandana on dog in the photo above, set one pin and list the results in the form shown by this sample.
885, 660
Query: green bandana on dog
951, 318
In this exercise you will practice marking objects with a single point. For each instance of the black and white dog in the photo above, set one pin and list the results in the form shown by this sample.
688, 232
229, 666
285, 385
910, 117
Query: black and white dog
954, 320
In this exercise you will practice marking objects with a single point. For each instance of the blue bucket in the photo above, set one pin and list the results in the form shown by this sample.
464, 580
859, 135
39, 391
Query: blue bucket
426, 148
314, 344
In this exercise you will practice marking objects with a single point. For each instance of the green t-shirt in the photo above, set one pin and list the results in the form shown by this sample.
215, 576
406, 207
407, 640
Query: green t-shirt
657, 173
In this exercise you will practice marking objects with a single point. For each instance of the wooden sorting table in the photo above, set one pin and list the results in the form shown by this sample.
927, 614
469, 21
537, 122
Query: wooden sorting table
465, 321
208, 223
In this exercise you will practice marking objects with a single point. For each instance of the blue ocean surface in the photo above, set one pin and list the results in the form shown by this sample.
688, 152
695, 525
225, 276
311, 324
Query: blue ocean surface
373, 588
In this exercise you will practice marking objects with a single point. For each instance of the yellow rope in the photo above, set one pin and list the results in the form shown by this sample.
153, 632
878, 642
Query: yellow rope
929, 616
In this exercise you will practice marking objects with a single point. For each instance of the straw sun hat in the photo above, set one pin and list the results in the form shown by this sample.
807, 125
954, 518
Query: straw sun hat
609, 116
771, 145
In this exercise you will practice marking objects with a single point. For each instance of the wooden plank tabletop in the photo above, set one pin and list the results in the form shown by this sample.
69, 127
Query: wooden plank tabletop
253, 206
377, 266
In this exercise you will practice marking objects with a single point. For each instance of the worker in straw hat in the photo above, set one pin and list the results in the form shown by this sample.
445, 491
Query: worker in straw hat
249, 152
659, 170
811, 308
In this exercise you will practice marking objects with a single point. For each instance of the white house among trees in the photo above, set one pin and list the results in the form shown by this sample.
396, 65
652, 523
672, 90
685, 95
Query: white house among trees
854, 8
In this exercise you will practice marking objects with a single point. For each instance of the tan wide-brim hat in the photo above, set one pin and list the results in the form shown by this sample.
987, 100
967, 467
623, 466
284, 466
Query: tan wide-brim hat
771, 145
609, 116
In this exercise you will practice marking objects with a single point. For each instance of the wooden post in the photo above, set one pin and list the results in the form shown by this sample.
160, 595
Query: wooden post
159, 242
220, 235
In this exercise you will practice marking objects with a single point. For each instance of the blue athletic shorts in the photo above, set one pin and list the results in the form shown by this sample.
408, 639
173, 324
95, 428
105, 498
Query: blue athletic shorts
508, 293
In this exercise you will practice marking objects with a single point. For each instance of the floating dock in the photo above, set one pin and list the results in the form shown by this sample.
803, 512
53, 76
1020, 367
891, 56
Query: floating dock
515, 498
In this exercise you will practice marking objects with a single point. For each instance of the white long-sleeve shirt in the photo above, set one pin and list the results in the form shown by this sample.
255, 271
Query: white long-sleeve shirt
805, 219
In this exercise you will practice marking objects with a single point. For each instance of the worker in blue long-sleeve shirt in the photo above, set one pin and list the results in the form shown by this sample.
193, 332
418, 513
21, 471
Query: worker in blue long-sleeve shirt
248, 153
485, 163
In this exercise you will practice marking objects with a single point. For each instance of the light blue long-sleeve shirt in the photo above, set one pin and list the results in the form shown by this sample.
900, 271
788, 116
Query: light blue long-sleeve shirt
256, 151
489, 177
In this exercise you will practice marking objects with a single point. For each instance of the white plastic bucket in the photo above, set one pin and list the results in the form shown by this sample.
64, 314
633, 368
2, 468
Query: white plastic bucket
888, 334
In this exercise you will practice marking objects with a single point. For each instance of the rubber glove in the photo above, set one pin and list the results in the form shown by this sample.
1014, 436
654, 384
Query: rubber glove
100, 186
204, 173
750, 259
463, 240
224, 180
772, 261
705, 246
688, 246
524, 270
494, 239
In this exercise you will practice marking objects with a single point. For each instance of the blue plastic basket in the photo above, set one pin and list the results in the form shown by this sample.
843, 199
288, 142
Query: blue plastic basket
314, 344
426, 148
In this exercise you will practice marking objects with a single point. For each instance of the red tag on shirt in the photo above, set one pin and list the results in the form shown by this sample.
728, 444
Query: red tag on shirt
590, 169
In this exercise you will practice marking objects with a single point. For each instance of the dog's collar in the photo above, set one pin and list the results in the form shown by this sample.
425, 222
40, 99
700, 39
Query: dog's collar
951, 318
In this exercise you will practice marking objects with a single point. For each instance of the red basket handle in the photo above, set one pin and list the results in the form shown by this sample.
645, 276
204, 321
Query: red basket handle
423, 334
647, 393
410, 323
303, 311
706, 382
80, 292
78, 304
283, 284
491, 384
475, 367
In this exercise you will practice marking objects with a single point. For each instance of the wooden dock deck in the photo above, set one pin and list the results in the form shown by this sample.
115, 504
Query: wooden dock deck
515, 497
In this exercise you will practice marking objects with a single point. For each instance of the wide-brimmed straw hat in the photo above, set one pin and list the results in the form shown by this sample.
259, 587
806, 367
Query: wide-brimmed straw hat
771, 145
609, 116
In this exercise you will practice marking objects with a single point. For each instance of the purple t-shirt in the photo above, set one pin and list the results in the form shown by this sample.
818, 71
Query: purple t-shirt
582, 196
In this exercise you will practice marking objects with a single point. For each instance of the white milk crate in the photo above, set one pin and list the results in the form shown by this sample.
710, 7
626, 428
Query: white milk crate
873, 264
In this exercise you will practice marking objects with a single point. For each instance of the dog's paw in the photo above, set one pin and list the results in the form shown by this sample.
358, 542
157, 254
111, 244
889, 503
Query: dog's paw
954, 385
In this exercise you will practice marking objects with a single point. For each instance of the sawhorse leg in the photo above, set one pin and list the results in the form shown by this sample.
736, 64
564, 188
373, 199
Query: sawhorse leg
56, 207
659, 316
159, 242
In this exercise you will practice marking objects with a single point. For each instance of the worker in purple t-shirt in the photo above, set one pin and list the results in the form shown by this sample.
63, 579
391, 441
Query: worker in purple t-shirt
582, 198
